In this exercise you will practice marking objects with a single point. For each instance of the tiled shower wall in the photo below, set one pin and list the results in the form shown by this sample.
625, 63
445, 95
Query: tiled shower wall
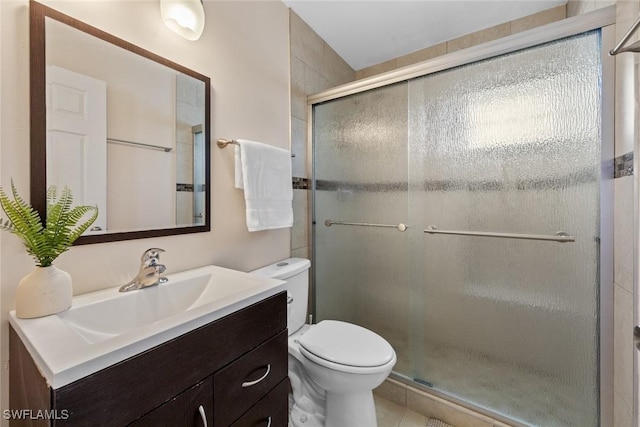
478, 37
626, 138
315, 67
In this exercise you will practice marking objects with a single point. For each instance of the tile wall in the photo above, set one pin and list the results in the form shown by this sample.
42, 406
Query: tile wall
478, 37
626, 138
316, 67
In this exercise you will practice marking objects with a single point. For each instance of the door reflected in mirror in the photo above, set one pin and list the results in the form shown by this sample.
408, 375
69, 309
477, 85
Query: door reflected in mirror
126, 130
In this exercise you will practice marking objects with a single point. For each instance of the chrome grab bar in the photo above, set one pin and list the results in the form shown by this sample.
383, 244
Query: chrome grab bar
399, 227
560, 236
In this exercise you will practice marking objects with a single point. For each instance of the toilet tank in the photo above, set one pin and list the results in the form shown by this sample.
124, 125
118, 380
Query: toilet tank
295, 271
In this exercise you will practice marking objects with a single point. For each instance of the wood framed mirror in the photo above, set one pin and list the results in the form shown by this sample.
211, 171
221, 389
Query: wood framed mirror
127, 130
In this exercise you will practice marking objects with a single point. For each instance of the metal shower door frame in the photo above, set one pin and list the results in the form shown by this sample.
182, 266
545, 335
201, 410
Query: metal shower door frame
600, 19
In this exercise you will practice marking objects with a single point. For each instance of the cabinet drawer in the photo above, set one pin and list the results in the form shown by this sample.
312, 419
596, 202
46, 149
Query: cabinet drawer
191, 408
271, 411
244, 382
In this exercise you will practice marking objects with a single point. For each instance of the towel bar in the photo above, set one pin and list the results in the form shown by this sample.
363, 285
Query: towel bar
560, 236
140, 144
222, 143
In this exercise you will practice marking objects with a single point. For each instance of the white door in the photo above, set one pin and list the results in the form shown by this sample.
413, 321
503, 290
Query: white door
77, 139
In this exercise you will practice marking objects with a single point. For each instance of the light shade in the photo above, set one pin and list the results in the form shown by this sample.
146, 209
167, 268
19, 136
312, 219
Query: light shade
185, 17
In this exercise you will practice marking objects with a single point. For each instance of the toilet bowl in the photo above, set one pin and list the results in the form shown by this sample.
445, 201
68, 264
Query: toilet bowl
333, 365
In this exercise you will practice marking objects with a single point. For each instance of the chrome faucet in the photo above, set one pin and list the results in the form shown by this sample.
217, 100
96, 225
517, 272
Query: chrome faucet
149, 273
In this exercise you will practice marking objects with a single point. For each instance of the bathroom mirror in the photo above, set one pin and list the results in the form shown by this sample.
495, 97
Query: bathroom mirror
125, 129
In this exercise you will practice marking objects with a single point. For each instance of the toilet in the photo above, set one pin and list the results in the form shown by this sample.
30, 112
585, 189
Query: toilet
333, 365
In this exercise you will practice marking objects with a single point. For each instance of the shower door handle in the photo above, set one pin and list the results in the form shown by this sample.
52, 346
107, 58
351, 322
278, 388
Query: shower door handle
399, 227
560, 236
636, 337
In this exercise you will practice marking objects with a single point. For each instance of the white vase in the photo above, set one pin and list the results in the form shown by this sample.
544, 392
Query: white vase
44, 291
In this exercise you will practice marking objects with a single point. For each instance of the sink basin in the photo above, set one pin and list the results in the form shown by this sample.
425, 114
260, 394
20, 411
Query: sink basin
105, 327
92, 316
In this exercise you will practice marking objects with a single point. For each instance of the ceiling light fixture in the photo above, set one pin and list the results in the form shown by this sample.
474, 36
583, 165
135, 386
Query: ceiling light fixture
185, 17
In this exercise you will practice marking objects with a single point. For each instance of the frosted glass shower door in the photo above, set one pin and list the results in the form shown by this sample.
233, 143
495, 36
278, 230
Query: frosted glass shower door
360, 169
509, 145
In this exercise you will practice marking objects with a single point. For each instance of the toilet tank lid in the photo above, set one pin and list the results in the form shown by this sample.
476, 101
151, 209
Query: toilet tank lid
284, 269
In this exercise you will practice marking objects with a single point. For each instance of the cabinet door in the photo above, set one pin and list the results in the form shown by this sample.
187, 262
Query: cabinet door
192, 408
271, 411
244, 382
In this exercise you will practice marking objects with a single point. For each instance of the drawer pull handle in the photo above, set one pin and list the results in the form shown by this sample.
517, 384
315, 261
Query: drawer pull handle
250, 383
269, 422
203, 415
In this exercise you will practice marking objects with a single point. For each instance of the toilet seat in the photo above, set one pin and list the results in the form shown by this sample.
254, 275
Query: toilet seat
346, 347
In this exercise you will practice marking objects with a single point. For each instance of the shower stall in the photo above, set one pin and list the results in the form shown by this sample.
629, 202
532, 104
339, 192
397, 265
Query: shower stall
462, 210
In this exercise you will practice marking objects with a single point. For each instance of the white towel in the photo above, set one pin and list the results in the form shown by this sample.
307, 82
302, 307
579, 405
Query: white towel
264, 172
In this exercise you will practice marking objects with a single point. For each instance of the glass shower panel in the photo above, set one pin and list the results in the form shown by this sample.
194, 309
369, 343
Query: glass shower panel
360, 172
199, 195
509, 145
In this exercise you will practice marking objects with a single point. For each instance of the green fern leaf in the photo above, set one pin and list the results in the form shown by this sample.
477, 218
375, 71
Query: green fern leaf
63, 226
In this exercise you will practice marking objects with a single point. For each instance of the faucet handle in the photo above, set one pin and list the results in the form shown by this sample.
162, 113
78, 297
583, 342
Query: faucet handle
152, 254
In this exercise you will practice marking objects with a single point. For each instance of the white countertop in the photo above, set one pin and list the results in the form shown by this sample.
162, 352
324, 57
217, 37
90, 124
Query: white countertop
105, 327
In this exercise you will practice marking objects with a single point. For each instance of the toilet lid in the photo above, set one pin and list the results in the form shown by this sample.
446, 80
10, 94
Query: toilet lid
346, 344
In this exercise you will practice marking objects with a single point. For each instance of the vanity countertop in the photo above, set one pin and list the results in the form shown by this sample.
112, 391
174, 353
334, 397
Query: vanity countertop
105, 327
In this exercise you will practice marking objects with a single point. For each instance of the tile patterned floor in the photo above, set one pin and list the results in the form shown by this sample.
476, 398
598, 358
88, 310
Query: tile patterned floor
531, 397
391, 414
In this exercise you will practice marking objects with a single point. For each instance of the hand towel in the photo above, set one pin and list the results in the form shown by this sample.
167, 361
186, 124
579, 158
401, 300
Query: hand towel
264, 172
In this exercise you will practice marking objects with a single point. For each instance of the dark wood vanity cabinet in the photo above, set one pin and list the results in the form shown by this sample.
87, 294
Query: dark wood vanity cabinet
243, 383
235, 368
192, 408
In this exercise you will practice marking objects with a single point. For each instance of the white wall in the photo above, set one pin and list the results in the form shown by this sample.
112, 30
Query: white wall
245, 51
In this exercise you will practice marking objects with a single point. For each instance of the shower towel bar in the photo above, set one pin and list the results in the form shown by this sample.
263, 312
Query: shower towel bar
634, 47
222, 143
140, 144
399, 227
560, 236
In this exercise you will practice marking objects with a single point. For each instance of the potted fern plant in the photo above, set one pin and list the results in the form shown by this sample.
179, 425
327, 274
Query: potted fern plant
46, 290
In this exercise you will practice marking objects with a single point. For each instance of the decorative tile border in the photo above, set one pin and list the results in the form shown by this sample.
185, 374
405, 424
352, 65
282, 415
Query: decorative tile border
580, 177
623, 165
326, 185
300, 183
188, 187
184, 187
